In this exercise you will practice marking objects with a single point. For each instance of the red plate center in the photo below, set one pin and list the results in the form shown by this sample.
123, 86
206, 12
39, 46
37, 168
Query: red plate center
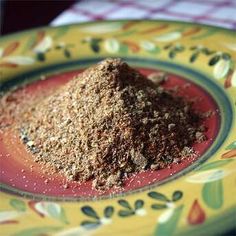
19, 171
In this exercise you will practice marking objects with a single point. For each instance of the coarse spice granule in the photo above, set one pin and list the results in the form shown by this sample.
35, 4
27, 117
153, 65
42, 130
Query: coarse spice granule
109, 122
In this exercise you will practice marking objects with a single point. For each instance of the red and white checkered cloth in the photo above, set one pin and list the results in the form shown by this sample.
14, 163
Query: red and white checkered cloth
213, 12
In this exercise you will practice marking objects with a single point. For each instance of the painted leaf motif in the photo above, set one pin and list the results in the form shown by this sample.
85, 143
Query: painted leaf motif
43, 45
172, 54
158, 196
39, 37
214, 165
32, 205
95, 46
124, 48
20, 60
228, 79
9, 222
112, 45
124, 213
125, 204
37, 231
172, 36
89, 211
194, 57
177, 195
67, 53
51, 209
207, 176
221, 69
168, 46
207, 52
102, 28
207, 33
108, 211
233, 80
226, 56
10, 49
149, 46
61, 31
231, 146
125, 33
179, 48
212, 194
154, 29
229, 154
191, 31
8, 65
168, 221
33, 40
214, 60
127, 25
9, 215
90, 224
134, 47
40, 56
157, 206
196, 214
57, 212
193, 48
30, 43
138, 204
41, 207
18, 204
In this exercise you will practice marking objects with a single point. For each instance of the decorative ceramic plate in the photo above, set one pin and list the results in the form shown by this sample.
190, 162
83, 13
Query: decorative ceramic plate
195, 197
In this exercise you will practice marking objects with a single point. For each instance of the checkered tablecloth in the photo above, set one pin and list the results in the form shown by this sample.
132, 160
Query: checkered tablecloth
213, 12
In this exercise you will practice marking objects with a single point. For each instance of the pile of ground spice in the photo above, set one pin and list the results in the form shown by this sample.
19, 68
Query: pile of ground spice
108, 123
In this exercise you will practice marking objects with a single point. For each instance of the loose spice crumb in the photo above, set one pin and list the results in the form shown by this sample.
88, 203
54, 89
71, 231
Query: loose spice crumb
108, 123
65, 186
158, 77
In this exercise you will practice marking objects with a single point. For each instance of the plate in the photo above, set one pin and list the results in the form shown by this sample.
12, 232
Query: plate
194, 197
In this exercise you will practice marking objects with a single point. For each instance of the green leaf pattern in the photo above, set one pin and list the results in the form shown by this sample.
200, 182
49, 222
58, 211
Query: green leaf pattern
167, 222
207, 176
18, 204
213, 165
108, 211
177, 195
89, 211
158, 196
129, 210
212, 194
231, 146
52, 210
96, 221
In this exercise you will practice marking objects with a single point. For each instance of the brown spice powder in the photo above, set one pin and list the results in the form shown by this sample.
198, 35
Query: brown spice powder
109, 122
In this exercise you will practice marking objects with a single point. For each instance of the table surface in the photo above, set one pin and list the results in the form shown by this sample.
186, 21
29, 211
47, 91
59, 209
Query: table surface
20, 15
214, 12
58, 12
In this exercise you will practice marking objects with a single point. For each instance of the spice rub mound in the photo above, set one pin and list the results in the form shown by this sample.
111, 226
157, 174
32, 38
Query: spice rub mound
109, 122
